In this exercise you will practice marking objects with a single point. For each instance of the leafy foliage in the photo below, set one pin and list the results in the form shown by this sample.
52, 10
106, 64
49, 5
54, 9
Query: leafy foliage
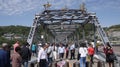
14, 29
17, 30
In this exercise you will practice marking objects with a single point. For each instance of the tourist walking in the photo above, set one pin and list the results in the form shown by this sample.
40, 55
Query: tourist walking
16, 58
7, 49
38, 48
16, 45
55, 50
83, 53
91, 52
33, 48
26, 54
109, 52
72, 50
4, 60
61, 51
49, 54
42, 56
66, 50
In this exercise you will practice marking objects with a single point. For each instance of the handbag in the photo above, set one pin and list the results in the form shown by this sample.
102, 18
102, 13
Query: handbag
88, 58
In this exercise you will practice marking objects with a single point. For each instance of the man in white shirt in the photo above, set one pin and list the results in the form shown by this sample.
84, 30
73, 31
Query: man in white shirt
49, 53
42, 56
72, 50
61, 51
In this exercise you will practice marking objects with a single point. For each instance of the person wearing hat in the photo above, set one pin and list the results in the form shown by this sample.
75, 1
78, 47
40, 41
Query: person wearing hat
42, 56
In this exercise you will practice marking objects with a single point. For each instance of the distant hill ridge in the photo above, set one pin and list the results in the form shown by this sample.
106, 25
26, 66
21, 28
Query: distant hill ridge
114, 28
25, 29
14, 29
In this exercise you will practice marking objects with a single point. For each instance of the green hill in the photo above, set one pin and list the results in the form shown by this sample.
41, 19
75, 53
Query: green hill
114, 27
23, 31
14, 29
7, 33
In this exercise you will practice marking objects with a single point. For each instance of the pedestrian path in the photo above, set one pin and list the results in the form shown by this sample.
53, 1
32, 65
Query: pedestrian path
71, 63
99, 61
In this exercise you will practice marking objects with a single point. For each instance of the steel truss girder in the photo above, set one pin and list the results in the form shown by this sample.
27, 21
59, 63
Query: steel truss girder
63, 21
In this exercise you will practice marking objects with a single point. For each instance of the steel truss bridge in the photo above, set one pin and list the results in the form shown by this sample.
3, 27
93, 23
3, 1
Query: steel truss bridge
63, 25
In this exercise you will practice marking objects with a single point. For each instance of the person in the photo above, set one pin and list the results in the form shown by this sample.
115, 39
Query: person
3, 56
33, 50
66, 51
42, 59
83, 53
7, 49
38, 48
97, 45
72, 50
91, 52
108, 51
16, 45
61, 50
55, 50
26, 54
93, 43
49, 54
78, 55
16, 58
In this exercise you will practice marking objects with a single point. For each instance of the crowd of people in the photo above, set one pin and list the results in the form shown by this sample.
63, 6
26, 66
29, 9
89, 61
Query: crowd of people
19, 56
48, 52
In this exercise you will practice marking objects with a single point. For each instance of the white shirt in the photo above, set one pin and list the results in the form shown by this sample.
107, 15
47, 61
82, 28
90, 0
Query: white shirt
93, 44
72, 47
39, 48
41, 55
49, 50
61, 49
83, 51
54, 48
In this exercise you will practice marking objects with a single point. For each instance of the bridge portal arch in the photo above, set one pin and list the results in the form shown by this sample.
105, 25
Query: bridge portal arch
64, 25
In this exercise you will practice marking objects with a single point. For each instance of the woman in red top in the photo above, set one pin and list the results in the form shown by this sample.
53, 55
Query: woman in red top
91, 52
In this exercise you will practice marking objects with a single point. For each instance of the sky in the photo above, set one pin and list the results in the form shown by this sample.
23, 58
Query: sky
22, 12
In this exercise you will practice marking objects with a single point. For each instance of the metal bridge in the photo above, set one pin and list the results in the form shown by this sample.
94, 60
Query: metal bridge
65, 25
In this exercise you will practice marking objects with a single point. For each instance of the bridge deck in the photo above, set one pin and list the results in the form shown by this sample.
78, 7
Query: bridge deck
97, 58
99, 61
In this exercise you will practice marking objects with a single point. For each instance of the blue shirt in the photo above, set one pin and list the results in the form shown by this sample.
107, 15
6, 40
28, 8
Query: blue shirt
3, 58
33, 47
